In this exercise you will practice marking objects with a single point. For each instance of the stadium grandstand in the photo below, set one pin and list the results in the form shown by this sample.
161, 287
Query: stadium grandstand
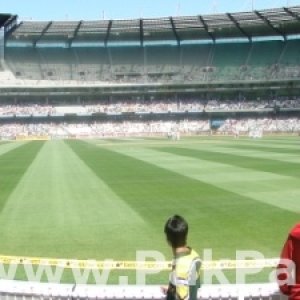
188, 73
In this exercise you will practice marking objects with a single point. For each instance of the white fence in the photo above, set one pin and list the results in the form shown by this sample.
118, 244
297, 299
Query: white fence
28, 290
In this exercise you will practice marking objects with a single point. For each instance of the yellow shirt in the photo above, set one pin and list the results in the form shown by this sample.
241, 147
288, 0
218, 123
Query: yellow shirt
185, 277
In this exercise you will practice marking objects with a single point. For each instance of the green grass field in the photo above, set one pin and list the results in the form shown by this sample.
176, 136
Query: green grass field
106, 199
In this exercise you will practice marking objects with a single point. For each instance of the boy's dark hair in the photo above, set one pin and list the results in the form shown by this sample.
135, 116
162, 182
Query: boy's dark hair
176, 230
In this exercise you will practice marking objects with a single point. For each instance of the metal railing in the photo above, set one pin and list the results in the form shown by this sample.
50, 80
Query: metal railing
30, 290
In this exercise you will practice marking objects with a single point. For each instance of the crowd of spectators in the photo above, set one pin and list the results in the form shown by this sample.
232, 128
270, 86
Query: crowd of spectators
147, 106
146, 128
26, 110
263, 124
158, 106
103, 129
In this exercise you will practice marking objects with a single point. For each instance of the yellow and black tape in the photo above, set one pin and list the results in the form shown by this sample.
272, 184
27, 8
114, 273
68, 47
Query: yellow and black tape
136, 265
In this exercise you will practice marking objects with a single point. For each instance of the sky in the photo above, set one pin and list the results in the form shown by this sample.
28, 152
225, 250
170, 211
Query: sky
38, 10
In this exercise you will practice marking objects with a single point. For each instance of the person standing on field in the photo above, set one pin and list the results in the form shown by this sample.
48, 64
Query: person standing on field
184, 278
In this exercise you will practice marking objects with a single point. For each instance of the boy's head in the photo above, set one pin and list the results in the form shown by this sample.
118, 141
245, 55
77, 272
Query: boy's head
176, 230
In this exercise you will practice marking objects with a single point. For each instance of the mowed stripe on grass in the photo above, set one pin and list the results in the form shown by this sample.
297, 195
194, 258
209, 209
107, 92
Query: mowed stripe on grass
273, 181
60, 208
86, 201
235, 173
8, 146
290, 154
14, 160
220, 219
239, 159
285, 151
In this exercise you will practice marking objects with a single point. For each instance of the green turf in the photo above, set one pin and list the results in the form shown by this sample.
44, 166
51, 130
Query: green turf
110, 198
13, 164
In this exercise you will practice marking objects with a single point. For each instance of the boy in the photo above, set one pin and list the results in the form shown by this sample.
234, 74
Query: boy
184, 278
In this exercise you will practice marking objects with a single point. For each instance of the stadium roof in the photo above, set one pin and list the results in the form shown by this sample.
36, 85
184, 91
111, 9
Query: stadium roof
258, 23
4, 19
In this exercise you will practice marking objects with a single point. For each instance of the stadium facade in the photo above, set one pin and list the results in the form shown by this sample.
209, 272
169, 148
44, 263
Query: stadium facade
205, 67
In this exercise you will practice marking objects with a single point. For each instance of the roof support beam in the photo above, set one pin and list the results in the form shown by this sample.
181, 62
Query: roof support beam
239, 27
206, 28
42, 33
10, 22
107, 33
11, 25
175, 31
267, 21
75, 33
141, 32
